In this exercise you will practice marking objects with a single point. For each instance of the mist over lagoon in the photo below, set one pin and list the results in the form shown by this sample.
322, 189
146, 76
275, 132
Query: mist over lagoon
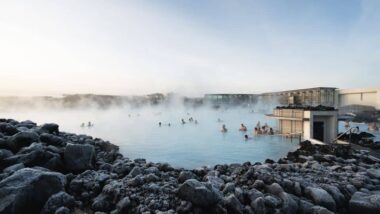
138, 134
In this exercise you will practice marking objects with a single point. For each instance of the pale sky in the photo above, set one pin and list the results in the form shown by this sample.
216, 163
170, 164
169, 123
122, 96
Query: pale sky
191, 47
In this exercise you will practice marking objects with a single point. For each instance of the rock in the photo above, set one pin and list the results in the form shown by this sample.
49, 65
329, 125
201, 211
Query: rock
4, 153
271, 201
123, 205
89, 181
7, 129
305, 207
185, 175
135, 172
27, 190
274, 189
102, 203
50, 128
335, 193
321, 197
374, 173
253, 194
199, 194
61, 199
365, 203
215, 181
289, 205
258, 206
233, 205
62, 210
258, 184
14, 168
151, 178
78, 158
229, 187
22, 139
320, 210
51, 139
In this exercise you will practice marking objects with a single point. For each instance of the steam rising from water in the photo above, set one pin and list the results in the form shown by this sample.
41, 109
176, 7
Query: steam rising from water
189, 145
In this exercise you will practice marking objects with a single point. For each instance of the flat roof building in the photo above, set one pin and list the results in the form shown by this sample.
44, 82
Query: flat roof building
324, 96
317, 124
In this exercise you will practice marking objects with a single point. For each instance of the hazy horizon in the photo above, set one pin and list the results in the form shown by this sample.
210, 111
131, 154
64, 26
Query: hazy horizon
50, 48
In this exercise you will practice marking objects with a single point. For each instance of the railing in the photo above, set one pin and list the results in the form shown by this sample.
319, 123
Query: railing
348, 130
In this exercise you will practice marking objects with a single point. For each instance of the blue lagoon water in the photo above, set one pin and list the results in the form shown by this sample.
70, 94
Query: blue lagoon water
137, 133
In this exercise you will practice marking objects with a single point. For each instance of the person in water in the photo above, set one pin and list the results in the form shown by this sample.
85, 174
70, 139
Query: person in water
82, 125
347, 124
224, 129
246, 137
255, 131
243, 128
372, 127
196, 121
183, 121
159, 124
271, 132
89, 124
169, 124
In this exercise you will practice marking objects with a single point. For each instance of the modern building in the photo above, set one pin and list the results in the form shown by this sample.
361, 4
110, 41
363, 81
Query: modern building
366, 97
230, 99
324, 96
315, 124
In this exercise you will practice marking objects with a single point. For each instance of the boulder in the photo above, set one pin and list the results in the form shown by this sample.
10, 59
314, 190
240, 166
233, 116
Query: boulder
27, 190
123, 205
62, 210
185, 175
7, 129
51, 139
233, 204
78, 158
58, 200
320, 210
50, 128
274, 189
365, 203
199, 194
253, 194
22, 139
374, 173
335, 193
229, 187
321, 197
215, 181
258, 206
289, 205
4, 153
14, 168
135, 172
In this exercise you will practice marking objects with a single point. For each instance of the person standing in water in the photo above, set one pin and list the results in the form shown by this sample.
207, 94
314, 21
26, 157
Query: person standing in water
243, 128
224, 129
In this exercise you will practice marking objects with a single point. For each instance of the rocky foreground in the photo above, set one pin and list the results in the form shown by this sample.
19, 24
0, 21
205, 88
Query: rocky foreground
43, 170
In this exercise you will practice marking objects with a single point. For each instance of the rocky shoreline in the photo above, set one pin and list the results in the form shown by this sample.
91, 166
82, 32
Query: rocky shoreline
44, 170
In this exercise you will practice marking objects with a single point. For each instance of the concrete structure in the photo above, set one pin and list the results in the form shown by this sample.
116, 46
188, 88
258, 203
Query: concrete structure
305, 97
314, 124
362, 97
230, 99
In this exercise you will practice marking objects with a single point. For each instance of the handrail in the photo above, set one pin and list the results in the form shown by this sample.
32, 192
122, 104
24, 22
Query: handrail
348, 130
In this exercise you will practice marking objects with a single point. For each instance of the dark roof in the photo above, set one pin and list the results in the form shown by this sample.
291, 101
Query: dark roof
309, 108
298, 90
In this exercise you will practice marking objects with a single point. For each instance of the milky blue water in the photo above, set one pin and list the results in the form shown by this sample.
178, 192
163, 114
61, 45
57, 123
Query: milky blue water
137, 133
